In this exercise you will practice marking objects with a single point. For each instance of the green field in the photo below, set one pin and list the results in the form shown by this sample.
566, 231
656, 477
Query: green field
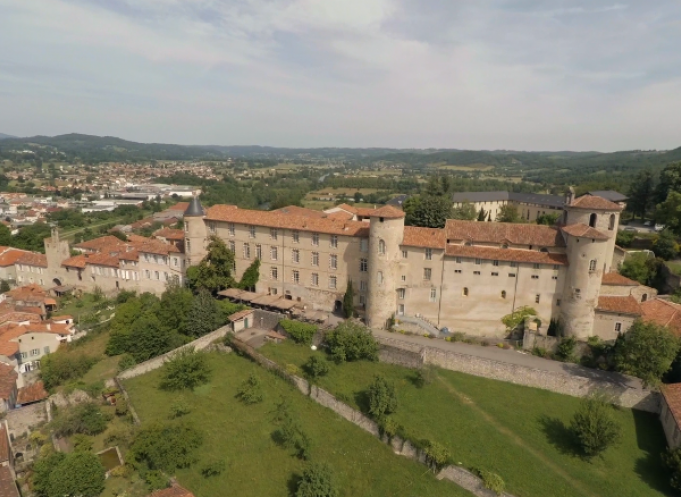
518, 432
256, 465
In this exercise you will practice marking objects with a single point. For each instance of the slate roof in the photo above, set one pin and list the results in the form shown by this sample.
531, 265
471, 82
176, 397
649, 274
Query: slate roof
619, 304
195, 209
516, 234
509, 255
500, 196
611, 195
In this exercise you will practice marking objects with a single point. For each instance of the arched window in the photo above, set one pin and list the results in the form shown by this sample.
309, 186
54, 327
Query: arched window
381, 247
592, 265
644, 297
465, 292
503, 294
592, 220
611, 224
380, 277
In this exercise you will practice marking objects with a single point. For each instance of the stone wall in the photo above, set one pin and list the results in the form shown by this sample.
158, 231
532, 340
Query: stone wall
266, 320
157, 362
574, 380
402, 357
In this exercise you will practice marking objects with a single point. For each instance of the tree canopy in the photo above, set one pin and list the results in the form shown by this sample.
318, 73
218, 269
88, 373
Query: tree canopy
428, 211
214, 272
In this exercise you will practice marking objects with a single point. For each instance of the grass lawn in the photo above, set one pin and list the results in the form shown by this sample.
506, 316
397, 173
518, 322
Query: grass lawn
256, 465
518, 432
674, 267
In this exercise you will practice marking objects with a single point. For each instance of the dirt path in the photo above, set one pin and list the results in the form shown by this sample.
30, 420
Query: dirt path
516, 439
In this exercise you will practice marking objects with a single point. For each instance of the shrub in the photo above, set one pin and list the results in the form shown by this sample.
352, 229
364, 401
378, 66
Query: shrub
119, 436
79, 473
672, 461
566, 349
250, 391
126, 362
121, 406
156, 480
352, 342
317, 481
492, 481
179, 408
593, 426
213, 468
316, 366
540, 351
299, 332
389, 426
425, 376
186, 370
166, 447
292, 436
63, 365
81, 443
436, 455
382, 397
94, 389
86, 418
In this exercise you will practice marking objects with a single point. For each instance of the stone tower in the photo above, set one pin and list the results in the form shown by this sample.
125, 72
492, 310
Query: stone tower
195, 232
386, 231
56, 252
590, 228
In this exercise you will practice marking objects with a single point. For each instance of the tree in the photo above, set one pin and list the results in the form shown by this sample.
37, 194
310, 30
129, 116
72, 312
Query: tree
358, 197
465, 212
593, 426
669, 212
351, 341
548, 219
382, 397
148, 338
175, 307
4, 286
186, 370
639, 268
78, 474
292, 436
63, 365
166, 446
509, 214
672, 460
670, 181
349, 301
204, 315
250, 391
86, 418
214, 272
428, 211
251, 276
641, 193
482, 214
5, 235
665, 245
646, 351
42, 470
316, 367
317, 481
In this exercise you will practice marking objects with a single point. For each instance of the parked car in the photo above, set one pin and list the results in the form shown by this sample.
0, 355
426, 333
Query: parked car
659, 227
648, 223
630, 228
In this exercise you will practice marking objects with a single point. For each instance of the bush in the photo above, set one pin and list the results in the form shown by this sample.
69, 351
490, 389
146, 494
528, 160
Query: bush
86, 418
540, 351
186, 370
121, 406
425, 376
166, 447
492, 481
79, 473
389, 426
63, 365
292, 436
156, 480
316, 367
250, 391
593, 426
122, 437
299, 332
317, 481
566, 349
672, 461
213, 468
179, 408
382, 397
126, 362
82, 443
352, 342
436, 455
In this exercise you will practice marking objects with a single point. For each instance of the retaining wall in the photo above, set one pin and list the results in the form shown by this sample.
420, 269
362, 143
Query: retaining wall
575, 380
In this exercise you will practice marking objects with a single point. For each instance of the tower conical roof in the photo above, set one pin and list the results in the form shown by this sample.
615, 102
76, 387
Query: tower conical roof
195, 208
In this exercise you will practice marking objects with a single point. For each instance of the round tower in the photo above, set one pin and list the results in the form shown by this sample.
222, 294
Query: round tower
195, 232
386, 231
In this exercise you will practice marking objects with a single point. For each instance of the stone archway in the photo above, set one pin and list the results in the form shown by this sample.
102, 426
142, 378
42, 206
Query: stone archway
56, 281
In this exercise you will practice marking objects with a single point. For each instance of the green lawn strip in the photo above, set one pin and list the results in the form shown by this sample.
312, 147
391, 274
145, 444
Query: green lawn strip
516, 431
256, 465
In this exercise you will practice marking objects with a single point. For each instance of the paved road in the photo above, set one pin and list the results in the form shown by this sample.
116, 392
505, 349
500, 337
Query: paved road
514, 357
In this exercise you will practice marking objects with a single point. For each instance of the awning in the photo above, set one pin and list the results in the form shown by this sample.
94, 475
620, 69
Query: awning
249, 296
231, 293
265, 300
283, 304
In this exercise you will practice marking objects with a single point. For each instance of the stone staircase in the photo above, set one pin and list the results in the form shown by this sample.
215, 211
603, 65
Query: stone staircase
420, 322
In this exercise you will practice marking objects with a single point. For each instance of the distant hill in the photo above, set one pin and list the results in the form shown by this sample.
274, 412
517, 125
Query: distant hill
3, 136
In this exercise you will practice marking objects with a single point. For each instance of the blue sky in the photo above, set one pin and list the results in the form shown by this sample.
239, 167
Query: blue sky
483, 74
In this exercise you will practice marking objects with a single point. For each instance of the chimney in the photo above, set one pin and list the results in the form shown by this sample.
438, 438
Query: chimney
570, 196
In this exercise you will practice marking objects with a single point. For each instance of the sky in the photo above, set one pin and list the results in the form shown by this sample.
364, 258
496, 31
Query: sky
467, 74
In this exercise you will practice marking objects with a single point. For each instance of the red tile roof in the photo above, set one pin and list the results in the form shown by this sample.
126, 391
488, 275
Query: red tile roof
102, 259
616, 279
300, 211
240, 315
512, 255
101, 243
510, 233
345, 216
10, 256
77, 261
582, 230
672, 396
174, 491
32, 393
594, 202
388, 212
157, 247
8, 487
169, 234
664, 313
8, 380
4, 445
19, 317
621, 305
27, 292
33, 259
424, 237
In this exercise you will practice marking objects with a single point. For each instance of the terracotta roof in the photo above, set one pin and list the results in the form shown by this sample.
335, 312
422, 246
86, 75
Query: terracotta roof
33, 259
594, 202
672, 396
102, 259
664, 313
77, 261
32, 393
347, 208
616, 279
10, 256
621, 305
27, 292
276, 336
8, 487
101, 243
19, 317
300, 211
4, 445
424, 237
169, 234
157, 247
180, 206
388, 212
136, 239
174, 491
62, 318
240, 315
274, 219
584, 231
512, 255
511, 233
8, 380
346, 216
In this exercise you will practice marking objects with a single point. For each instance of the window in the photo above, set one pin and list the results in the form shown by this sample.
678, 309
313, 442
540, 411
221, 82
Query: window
35, 351
274, 253
536, 299
514, 264
334, 241
362, 286
457, 271
379, 277
46, 350
511, 275
274, 234
611, 223
333, 261
364, 244
593, 218
401, 292
251, 231
554, 277
535, 276
296, 236
315, 238
332, 282
495, 263
465, 292
381, 247
156, 275
644, 297
147, 273
557, 302
503, 294
433, 294
232, 246
274, 273
295, 256
363, 265
458, 260
186, 226
23, 355
592, 265
400, 309
296, 277
476, 273
578, 293
618, 327
362, 300
315, 279
231, 229
315, 258
404, 254
258, 251
176, 261
404, 277
247, 251
427, 273
495, 274
478, 261
429, 254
